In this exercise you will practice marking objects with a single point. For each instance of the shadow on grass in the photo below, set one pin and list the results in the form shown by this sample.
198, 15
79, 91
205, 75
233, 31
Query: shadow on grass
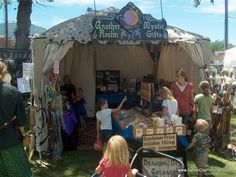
73, 164
215, 162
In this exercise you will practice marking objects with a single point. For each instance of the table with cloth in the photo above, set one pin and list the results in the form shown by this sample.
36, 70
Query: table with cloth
128, 124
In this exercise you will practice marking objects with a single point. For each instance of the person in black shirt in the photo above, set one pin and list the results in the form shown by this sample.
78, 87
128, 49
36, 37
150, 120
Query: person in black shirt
13, 160
67, 88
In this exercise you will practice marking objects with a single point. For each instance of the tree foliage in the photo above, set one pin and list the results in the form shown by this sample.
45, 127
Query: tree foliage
196, 3
219, 46
23, 20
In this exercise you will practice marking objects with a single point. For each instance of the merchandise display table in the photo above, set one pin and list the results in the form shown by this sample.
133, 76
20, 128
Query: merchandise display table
140, 131
132, 125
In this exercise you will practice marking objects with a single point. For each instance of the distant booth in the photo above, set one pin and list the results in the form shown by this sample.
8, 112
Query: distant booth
113, 53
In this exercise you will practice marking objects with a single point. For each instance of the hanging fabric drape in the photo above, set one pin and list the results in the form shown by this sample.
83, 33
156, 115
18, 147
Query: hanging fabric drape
53, 52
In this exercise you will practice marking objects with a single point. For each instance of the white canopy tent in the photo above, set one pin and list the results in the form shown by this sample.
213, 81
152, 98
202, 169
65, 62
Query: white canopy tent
230, 58
71, 43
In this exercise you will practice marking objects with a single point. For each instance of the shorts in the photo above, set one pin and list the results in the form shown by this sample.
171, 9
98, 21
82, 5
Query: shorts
106, 135
201, 159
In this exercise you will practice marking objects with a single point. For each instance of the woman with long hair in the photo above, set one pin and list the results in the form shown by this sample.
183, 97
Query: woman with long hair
183, 92
169, 104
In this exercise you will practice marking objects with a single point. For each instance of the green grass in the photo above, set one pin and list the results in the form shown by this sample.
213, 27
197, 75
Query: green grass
221, 164
233, 128
83, 163
73, 164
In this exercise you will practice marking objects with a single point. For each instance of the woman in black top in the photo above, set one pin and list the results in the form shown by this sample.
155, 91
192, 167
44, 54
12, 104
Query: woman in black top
13, 160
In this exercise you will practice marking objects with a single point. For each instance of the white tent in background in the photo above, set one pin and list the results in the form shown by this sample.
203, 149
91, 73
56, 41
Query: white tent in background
230, 58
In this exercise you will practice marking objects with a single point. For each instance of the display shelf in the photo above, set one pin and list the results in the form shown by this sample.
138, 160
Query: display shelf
142, 125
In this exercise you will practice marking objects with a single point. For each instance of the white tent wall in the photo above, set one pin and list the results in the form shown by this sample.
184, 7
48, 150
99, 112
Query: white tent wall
230, 58
172, 58
132, 61
79, 63
38, 50
190, 56
82, 61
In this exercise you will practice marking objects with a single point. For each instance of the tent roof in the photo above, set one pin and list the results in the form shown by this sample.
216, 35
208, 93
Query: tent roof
80, 29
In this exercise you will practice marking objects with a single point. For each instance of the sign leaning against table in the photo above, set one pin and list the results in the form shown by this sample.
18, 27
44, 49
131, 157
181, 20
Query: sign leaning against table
129, 25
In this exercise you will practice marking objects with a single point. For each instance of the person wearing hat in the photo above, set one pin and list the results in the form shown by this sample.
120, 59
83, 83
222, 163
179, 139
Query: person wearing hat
200, 143
13, 160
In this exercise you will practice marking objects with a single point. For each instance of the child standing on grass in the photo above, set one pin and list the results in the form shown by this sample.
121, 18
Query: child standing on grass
104, 121
200, 143
115, 161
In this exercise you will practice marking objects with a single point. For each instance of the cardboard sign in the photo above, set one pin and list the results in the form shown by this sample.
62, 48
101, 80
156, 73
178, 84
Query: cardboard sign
179, 130
139, 132
160, 130
28, 70
163, 142
169, 130
23, 85
160, 166
150, 131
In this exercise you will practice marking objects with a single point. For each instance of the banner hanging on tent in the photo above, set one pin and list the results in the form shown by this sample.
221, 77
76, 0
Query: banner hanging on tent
129, 25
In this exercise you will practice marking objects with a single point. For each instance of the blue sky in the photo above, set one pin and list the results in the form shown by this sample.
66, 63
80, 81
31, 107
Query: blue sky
207, 19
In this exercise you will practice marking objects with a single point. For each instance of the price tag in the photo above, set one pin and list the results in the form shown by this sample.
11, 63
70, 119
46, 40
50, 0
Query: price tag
139, 132
160, 130
179, 130
215, 110
220, 110
150, 131
169, 130
56, 67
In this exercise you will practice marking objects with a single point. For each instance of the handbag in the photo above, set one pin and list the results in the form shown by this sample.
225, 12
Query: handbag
98, 145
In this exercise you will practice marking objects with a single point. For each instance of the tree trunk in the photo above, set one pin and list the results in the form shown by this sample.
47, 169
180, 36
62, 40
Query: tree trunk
23, 24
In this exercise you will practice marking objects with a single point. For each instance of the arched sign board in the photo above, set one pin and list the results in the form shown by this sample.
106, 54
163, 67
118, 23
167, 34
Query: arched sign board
130, 24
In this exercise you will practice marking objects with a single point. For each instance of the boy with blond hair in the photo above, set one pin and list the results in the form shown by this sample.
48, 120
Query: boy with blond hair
200, 143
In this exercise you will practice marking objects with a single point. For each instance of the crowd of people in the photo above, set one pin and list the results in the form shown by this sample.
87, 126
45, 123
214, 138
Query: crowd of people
178, 98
